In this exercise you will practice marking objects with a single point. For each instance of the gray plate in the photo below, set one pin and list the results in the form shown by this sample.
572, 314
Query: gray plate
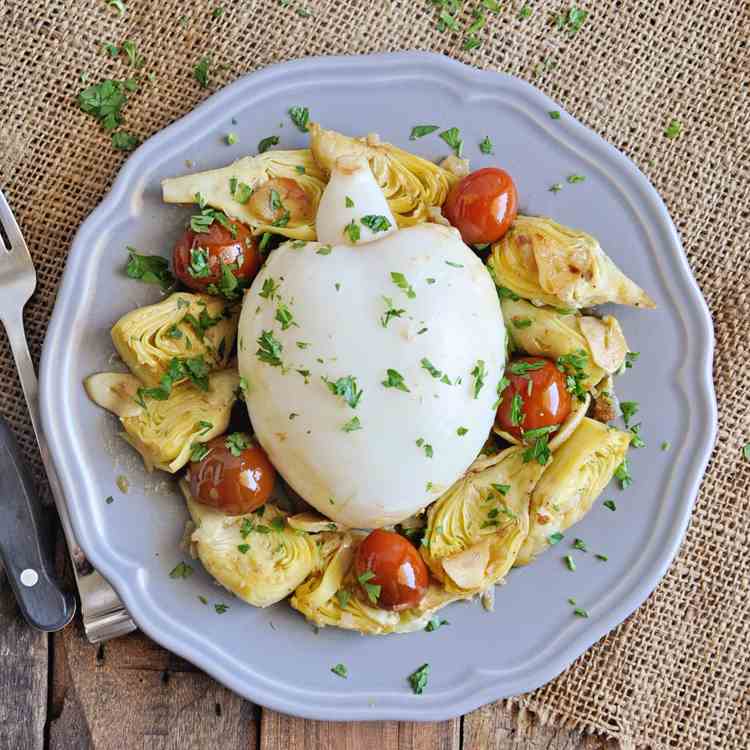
272, 656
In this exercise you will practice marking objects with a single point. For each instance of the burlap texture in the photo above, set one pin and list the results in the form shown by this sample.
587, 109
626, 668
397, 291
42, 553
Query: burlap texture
676, 673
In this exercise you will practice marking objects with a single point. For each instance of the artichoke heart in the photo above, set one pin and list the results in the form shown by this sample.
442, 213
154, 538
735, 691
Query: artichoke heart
164, 432
332, 597
228, 190
582, 468
546, 262
411, 184
474, 531
183, 326
256, 556
552, 333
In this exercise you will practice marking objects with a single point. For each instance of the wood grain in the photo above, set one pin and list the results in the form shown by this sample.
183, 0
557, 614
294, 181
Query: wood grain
23, 677
281, 732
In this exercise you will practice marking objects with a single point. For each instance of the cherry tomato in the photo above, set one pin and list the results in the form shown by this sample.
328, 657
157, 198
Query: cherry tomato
482, 205
280, 200
389, 560
197, 256
544, 399
234, 476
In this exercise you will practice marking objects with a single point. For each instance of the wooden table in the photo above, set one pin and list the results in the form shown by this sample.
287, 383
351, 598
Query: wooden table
58, 692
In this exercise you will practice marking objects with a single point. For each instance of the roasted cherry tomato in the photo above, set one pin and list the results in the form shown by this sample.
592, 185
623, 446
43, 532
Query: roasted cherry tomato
280, 201
536, 397
391, 562
482, 205
234, 474
197, 256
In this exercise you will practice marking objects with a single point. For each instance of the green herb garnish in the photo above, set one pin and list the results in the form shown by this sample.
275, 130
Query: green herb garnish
353, 231
570, 563
372, 589
418, 679
452, 137
461, 431
575, 178
673, 129
266, 143
151, 269
300, 116
201, 70
181, 570
395, 379
400, 281
237, 442
419, 131
610, 505
352, 425
555, 538
390, 312
376, 223
270, 349
345, 387
285, 317
485, 145
435, 623
340, 670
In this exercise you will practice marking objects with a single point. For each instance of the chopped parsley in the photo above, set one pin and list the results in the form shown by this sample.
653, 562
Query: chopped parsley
539, 449
555, 538
516, 409
579, 544
181, 570
220, 608
572, 20
420, 131
109, 500
208, 426
628, 409
198, 451
428, 451
324, 250
554, 114
345, 387
104, 101
666, 445
525, 12
622, 474
636, 440
343, 597
400, 281
352, 425
376, 223
241, 191
502, 384
201, 70
236, 443
348, 202
270, 349
501, 489
479, 373
521, 368
610, 505
266, 143
285, 317
570, 563
630, 359
299, 169
555, 187
454, 265
394, 379
217, 12
270, 288
461, 431
427, 365
151, 269
578, 612
452, 137
390, 312
353, 231
123, 141
243, 548
504, 293
435, 623
418, 679
601, 557
575, 178
231, 139
574, 366
521, 322
485, 145
371, 589
340, 670
673, 129
300, 116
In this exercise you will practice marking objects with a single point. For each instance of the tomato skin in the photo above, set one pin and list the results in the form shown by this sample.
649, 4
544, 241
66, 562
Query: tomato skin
483, 205
399, 570
548, 404
232, 484
221, 248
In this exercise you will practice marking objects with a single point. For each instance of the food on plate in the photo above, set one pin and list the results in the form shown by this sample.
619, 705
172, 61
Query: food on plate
416, 421
289, 185
482, 206
474, 531
231, 473
257, 556
546, 262
582, 468
170, 420
411, 184
181, 326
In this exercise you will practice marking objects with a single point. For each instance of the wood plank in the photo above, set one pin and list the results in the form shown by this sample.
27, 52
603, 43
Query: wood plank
23, 677
282, 732
131, 693
499, 727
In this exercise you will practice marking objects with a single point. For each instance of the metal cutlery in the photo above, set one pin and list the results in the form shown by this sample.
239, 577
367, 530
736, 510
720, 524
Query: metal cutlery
29, 564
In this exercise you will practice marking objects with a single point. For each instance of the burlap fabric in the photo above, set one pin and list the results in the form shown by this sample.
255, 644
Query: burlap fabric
676, 673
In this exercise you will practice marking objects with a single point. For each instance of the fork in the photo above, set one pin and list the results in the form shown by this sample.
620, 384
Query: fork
104, 615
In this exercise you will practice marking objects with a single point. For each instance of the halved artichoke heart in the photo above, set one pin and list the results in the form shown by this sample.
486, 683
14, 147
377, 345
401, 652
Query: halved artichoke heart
474, 531
549, 332
183, 326
549, 263
215, 187
275, 560
163, 432
411, 184
331, 597
582, 468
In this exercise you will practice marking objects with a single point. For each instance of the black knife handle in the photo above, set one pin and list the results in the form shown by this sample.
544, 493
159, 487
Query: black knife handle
27, 544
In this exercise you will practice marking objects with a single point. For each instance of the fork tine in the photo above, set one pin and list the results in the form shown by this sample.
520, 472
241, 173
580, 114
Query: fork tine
11, 228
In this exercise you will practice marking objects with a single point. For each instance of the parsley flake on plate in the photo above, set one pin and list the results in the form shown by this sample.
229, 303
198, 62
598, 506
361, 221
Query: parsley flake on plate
371, 589
345, 387
266, 143
628, 409
479, 373
181, 570
420, 131
555, 538
236, 442
104, 101
610, 505
452, 137
485, 146
418, 679
300, 116
231, 139
198, 451
118, 5
390, 312
400, 281
220, 608
352, 425
353, 232
435, 623
151, 269
285, 317
340, 670
570, 563
622, 474
376, 223
575, 178
554, 114
270, 349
